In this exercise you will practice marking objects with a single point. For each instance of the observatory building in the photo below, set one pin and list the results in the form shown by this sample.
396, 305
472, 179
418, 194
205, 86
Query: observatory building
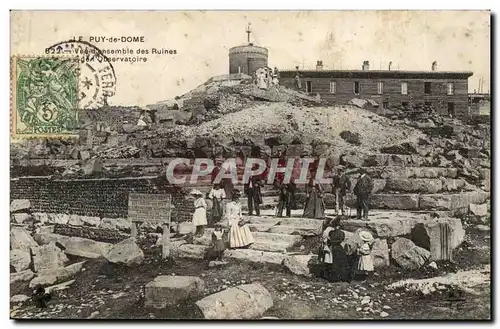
247, 58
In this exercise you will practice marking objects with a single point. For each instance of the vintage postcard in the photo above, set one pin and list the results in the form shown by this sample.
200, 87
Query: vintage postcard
250, 165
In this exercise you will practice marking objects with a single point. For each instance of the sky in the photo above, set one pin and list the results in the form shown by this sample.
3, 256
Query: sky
412, 40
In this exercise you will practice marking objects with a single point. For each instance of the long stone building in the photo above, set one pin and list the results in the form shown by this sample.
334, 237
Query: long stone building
447, 92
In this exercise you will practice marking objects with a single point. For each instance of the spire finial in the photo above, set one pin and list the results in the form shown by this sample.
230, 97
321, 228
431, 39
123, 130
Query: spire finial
248, 31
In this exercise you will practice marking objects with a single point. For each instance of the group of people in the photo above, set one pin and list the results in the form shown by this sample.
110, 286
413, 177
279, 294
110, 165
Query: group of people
341, 187
265, 77
344, 263
223, 215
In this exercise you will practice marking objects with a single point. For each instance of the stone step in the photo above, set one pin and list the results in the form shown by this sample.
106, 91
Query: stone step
256, 256
446, 202
424, 185
263, 240
195, 251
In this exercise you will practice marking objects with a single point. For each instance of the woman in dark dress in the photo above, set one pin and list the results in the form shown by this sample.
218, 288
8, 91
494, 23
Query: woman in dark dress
340, 270
315, 207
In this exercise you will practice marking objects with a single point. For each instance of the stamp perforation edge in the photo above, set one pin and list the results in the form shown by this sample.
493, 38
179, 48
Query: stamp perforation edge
13, 101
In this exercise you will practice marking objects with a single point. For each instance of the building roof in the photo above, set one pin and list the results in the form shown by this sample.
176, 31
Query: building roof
394, 74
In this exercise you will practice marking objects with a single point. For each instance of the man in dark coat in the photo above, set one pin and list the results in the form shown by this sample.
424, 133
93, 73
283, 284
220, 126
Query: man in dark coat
286, 198
363, 190
341, 186
254, 195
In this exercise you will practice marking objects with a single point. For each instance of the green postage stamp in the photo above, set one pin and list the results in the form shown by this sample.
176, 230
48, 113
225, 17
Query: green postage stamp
44, 94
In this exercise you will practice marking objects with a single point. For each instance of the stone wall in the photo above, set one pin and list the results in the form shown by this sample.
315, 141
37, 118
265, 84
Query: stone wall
95, 197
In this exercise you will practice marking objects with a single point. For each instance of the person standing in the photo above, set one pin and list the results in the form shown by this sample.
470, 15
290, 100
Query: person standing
363, 190
314, 207
217, 195
200, 213
254, 195
365, 267
239, 232
339, 270
341, 186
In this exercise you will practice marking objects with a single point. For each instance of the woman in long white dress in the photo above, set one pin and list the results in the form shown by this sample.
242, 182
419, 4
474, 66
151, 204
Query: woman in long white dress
200, 213
239, 232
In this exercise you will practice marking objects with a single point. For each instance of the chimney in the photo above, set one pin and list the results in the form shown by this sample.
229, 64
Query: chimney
319, 65
366, 65
390, 64
434, 66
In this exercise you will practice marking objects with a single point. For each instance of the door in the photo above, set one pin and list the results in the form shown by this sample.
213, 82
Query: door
309, 87
451, 109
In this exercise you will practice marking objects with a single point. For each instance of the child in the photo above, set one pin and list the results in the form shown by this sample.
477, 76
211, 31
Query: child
216, 250
365, 262
200, 213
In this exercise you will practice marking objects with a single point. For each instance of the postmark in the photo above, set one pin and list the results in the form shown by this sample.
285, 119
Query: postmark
97, 78
44, 91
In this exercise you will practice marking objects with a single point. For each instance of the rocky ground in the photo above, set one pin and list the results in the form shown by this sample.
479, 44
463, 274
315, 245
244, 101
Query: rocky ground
102, 290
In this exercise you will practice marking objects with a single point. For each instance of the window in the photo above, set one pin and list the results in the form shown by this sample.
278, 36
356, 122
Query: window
385, 105
450, 89
356, 87
333, 87
309, 87
404, 88
427, 88
380, 87
404, 104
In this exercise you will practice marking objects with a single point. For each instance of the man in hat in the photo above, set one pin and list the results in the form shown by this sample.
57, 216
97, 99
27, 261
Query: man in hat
363, 190
341, 186
254, 195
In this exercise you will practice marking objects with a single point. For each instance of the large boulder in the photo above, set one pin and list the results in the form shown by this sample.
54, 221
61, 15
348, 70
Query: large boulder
126, 252
76, 246
48, 257
49, 277
192, 251
274, 242
248, 301
22, 276
439, 235
392, 225
75, 220
408, 255
123, 224
21, 218
108, 223
93, 166
479, 210
21, 239
380, 253
20, 260
62, 219
390, 201
20, 205
169, 290
90, 220
41, 217
299, 264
